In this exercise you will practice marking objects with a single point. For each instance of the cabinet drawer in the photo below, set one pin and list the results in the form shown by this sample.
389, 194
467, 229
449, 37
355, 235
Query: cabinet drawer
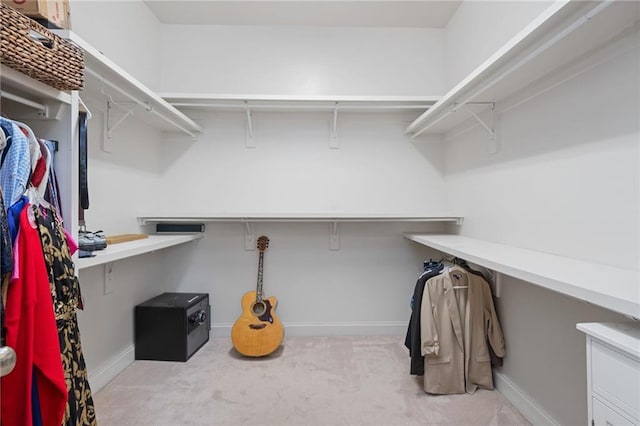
607, 416
616, 378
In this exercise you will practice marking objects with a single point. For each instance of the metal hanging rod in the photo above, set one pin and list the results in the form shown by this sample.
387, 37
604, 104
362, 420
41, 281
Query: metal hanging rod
455, 108
328, 107
24, 101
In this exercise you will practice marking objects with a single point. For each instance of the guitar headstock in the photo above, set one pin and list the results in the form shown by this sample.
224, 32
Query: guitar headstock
263, 243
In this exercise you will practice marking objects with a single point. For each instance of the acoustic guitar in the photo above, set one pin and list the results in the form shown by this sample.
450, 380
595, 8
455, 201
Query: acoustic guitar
258, 331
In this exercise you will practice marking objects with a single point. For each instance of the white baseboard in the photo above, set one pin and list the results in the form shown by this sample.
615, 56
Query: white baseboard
526, 405
395, 328
111, 369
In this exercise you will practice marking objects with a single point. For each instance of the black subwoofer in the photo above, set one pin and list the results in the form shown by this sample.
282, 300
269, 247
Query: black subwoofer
172, 326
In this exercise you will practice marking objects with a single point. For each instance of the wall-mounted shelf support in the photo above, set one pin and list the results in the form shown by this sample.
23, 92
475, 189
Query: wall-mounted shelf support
107, 123
334, 236
105, 82
333, 136
489, 130
250, 140
249, 237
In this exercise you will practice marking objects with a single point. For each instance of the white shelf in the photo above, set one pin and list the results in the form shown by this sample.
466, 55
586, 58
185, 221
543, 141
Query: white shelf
133, 248
623, 336
231, 102
611, 288
296, 217
22, 85
562, 34
103, 78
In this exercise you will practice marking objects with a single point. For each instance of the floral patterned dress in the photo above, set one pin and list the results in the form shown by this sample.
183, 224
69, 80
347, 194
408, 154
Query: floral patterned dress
65, 291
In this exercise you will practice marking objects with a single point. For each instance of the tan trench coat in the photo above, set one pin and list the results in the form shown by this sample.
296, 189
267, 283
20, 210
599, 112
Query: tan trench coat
456, 325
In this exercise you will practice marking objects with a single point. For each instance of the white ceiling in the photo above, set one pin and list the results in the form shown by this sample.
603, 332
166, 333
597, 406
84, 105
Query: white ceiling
332, 13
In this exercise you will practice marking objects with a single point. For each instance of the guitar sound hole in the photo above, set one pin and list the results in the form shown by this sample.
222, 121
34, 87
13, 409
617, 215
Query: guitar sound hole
258, 308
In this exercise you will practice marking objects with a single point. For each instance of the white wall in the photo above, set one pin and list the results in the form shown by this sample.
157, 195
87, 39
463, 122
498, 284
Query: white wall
127, 32
120, 183
362, 288
292, 169
480, 28
566, 181
303, 61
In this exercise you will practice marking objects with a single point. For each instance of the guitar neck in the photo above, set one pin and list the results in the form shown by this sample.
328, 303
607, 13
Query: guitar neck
259, 285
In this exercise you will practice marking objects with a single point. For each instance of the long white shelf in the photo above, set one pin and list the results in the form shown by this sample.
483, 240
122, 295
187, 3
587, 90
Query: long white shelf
134, 248
562, 34
234, 102
296, 217
104, 78
612, 288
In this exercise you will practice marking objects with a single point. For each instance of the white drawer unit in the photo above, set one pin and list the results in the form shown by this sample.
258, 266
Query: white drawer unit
613, 373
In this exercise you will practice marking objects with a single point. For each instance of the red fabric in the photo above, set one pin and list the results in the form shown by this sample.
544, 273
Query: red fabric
32, 332
39, 171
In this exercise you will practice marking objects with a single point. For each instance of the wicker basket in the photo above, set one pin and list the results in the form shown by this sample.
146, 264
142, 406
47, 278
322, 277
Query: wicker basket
30, 48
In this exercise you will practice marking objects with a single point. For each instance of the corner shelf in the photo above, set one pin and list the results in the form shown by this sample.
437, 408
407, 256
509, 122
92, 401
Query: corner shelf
121, 251
105, 79
562, 34
612, 288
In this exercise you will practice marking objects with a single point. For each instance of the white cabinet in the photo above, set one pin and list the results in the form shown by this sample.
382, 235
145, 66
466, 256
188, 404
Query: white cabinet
613, 373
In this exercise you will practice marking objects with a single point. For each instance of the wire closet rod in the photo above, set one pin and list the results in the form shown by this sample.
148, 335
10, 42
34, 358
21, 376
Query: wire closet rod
328, 107
23, 101
145, 105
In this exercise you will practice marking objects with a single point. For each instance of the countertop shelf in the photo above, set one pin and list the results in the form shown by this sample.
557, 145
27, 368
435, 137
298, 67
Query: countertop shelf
235, 102
105, 79
296, 217
623, 336
133, 248
612, 288
563, 34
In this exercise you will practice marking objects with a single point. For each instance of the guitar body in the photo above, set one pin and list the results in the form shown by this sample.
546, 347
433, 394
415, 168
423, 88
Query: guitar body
258, 331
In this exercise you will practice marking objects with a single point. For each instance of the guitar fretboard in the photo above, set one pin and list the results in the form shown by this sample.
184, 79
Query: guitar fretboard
259, 285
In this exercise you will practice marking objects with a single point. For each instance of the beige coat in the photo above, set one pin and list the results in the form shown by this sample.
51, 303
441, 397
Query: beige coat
456, 325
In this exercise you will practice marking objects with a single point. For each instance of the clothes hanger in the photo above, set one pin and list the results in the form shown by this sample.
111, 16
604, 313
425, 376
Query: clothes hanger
86, 109
35, 201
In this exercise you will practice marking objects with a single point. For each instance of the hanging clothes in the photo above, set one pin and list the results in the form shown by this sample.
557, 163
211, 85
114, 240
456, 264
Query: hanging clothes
458, 322
65, 291
6, 245
31, 330
412, 340
16, 162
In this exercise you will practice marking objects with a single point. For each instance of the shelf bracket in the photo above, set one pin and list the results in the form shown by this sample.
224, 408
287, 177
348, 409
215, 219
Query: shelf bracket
111, 127
333, 135
250, 141
249, 236
334, 236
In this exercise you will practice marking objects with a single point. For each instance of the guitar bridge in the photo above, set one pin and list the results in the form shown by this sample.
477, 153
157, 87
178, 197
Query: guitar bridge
257, 326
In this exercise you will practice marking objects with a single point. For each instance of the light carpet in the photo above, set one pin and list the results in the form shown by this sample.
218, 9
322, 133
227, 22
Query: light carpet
361, 380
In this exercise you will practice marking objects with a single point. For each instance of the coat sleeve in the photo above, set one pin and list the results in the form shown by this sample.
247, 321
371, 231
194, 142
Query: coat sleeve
493, 329
430, 343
